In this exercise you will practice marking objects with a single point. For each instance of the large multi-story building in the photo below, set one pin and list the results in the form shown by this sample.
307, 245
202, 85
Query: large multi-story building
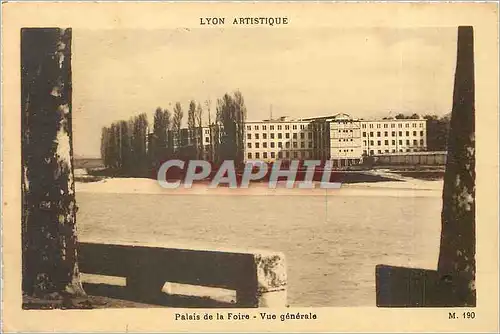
394, 136
340, 138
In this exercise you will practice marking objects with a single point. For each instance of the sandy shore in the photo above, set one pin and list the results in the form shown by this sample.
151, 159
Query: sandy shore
405, 187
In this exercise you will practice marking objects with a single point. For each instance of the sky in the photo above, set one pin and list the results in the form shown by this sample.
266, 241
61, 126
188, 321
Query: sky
367, 73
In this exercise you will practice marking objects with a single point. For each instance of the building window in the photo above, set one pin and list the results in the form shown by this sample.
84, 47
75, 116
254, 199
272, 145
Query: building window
421, 142
256, 127
257, 145
364, 142
294, 144
407, 133
256, 136
295, 155
257, 155
364, 134
249, 136
287, 135
294, 136
400, 142
379, 151
264, 136
364, 152
371, 134
279, 127
371, 142
421, 133
249, 127
393, 151
287, 144
273, 155
407, 125
271, 127
280, 144
310, 144
414, 125
280, 135
407, 142
272, 135
378, 126
264, 127
287, 154
363, 126
287, 127
371, 126
249, 145
386, 142
302, 144
378, 133
249, 155
400, 125
264, 144
272, 144
302, 126
378, 142
414, 133
386, 151
371, 152
415, 142
302, 135
294, 127
264, 155
400, 133
207, 140
393, 125
393, 142
385, 126
386, 133
280, 155
393, 133
309, 135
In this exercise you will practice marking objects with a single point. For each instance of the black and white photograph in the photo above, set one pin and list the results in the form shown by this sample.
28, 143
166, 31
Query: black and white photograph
244, 168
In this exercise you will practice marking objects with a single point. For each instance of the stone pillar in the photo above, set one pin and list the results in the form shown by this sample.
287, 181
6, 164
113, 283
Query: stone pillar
50, 267
456, 264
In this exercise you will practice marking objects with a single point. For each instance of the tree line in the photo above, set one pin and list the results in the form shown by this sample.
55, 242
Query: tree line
129, 148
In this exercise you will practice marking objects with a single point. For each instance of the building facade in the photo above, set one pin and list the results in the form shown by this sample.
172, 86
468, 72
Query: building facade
340, 138
394, 136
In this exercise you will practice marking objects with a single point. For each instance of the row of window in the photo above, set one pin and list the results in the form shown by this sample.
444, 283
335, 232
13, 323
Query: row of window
400, 142
279, 136
278, 127
400, 125
280, 155
372, 152
393, 133
280, 145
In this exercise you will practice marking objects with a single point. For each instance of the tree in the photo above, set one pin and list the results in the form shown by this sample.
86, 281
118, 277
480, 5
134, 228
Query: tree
176, 123
170, 140
400, 116
139, 142
159, 142
49, 238
199, 121
231, 113
192, 133
414, 116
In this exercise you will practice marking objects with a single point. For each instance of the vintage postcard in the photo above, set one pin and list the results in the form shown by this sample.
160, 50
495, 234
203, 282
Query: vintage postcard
243, 167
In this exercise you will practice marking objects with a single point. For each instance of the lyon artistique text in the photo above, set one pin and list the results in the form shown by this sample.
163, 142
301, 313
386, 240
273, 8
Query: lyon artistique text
271, 21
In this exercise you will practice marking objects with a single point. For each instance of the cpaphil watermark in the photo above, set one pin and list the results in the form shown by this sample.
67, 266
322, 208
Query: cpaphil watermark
304, 174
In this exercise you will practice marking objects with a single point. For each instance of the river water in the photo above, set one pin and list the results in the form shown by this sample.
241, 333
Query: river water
331, 243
